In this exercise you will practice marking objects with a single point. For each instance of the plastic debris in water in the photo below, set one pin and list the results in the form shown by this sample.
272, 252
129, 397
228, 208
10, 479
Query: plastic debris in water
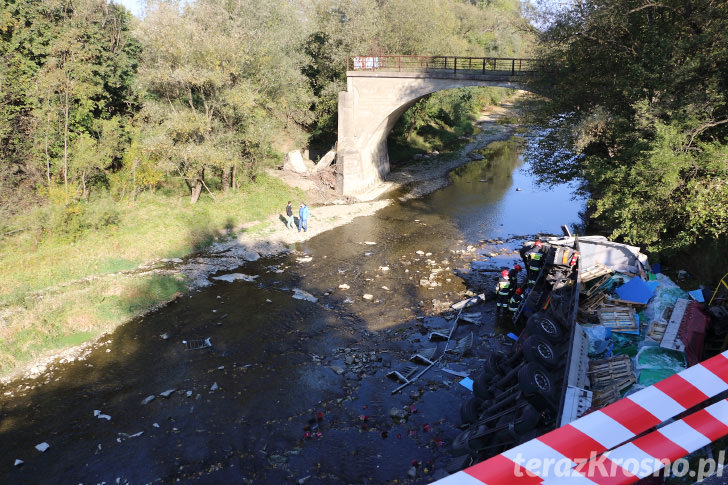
42, 446
197, 344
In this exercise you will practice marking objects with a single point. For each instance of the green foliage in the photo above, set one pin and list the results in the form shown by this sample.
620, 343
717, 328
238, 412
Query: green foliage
439, 120
69, 222
646, 112
67, 69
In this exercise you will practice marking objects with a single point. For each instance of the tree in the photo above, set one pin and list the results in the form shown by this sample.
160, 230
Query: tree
641, 89
216, 74
69, 66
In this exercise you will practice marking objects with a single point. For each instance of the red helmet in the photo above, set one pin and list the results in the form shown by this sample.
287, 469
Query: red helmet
517, 267
504, 272
538, 244
518, 291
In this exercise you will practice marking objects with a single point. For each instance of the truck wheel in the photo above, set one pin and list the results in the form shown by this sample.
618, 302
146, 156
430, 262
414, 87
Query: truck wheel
468, 442
493, 365
541, 324
534, 379
538, 349
460, 444
481, 386
528, 419
506, 434
470, 410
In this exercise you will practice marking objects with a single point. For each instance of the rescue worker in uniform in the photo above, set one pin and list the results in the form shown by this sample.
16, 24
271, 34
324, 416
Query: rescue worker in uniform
534, 262
513, 276
515, 301
502, 292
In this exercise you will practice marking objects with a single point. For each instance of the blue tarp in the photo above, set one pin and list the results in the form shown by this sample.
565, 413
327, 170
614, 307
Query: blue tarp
697, 295
467, 383
635, 290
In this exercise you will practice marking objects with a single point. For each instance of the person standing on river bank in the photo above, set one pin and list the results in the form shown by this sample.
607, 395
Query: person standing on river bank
289, 216
303, 214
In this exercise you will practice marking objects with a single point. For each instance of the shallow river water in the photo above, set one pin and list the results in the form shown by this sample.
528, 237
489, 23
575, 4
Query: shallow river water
290, 390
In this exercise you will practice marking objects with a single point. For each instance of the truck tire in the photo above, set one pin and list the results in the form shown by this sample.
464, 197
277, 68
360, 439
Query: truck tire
460, 443
467, 442
538, 349
470, 410
527, 420
506, 434
541, 324
481, 386
534, 379
493, 365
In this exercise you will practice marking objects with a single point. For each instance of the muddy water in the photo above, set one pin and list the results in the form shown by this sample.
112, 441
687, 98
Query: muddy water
289, 389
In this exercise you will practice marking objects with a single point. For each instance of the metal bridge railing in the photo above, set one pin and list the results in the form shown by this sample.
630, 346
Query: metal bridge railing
484, 65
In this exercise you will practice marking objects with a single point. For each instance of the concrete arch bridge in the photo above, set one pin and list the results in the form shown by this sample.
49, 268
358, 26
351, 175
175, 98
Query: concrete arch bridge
380, 89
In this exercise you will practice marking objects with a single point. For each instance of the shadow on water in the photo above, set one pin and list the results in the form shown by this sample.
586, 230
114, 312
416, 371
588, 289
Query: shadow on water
240, 408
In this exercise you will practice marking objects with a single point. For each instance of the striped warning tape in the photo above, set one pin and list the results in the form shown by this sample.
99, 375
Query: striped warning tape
650, 453
602, 430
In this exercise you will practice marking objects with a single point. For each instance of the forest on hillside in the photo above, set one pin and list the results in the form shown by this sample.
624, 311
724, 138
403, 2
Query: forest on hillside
199, 97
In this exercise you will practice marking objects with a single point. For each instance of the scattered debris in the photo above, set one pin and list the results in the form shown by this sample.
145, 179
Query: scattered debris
148, 399
214, 387
127, 436
197, 344
42, 446
18, 462
299, 294
99, 415
167, 393
235, 276
344, 286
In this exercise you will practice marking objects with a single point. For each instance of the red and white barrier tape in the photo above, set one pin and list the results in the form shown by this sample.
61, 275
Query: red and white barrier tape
604, 429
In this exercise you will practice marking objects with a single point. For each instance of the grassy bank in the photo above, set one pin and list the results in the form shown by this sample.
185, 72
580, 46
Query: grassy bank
58, 291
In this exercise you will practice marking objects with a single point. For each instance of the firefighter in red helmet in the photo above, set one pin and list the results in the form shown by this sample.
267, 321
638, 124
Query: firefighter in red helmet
502, 291
515, 301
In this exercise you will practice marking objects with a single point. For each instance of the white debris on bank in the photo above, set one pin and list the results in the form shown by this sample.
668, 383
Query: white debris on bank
235, 276
299, 294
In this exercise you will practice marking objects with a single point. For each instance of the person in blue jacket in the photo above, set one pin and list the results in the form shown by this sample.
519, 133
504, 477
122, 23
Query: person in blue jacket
303, 214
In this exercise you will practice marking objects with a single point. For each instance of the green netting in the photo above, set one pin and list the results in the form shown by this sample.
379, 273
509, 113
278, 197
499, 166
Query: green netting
655, 363
626, 344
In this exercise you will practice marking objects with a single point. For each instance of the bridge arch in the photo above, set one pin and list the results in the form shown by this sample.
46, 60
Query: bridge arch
377, 97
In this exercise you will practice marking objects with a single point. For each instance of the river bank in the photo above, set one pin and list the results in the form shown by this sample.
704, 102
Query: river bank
270, 237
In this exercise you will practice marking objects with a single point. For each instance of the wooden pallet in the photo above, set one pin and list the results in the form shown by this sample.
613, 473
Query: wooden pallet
593, 302
615, 371
605, 396
598, 284
631, 304
618, 318
657, 330
594, 271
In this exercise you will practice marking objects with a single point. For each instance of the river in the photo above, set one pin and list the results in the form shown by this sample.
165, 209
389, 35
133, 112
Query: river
291, 390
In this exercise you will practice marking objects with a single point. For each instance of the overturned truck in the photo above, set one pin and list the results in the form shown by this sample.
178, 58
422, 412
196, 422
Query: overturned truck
543, 382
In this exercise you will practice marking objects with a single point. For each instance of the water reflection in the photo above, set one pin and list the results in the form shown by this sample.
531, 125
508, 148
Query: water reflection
496, 197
